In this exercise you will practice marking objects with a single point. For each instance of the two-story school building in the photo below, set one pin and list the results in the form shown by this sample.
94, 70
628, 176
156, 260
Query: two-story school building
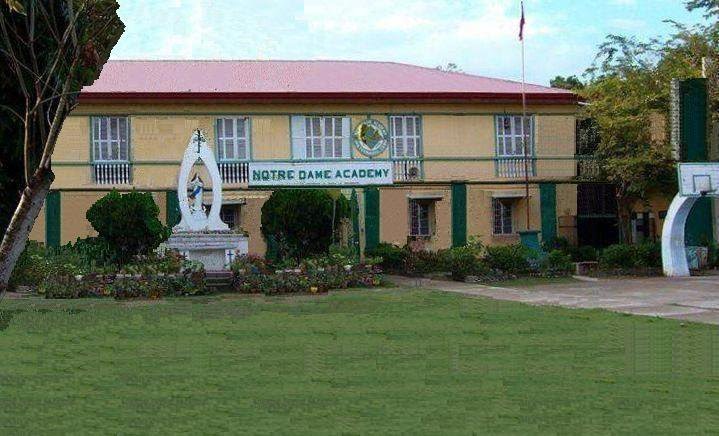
442, 153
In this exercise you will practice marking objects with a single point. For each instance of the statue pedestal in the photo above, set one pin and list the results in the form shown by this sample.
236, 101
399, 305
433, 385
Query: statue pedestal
215, 249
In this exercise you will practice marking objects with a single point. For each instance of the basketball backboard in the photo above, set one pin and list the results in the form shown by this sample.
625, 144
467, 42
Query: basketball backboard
699, 179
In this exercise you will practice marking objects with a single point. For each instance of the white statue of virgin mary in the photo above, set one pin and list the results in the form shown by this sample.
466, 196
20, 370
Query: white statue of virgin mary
197, 188
195, 219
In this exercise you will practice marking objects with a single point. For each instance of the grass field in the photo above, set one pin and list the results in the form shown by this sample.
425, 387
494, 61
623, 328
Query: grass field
356, 362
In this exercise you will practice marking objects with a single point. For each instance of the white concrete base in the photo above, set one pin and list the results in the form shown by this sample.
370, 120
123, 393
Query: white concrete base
214, 249
674, 255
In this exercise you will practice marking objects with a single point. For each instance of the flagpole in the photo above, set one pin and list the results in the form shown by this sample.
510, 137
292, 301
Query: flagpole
524, 117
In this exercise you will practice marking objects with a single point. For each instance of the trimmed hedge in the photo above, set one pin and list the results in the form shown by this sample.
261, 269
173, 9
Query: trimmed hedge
129, 223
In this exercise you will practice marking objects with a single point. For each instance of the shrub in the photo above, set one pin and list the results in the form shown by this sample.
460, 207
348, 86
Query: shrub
624, 256
61, 287
462, 262
338, 256
125, 288
510, 259
557, 262
129, 223
298, 222
618, 256
557, 243
249, 264
423, 262
308, 279
648, 254
585, 253
31, 266
393, 257
91, 252
171, 262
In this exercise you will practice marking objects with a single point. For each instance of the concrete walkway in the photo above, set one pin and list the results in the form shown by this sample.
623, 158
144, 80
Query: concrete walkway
692, 299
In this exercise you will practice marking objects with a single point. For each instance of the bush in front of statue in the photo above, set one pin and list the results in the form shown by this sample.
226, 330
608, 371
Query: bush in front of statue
129, 223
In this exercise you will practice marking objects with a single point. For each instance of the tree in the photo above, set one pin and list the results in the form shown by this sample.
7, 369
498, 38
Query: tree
300, 221
11, 178
628, 82
52, 49
571, 83
711, 6
451, 67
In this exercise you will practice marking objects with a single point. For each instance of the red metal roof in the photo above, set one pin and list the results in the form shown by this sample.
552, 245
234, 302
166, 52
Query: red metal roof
303, 79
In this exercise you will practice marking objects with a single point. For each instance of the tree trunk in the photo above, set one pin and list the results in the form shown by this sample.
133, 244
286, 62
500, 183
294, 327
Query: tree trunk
17, 232
624, 214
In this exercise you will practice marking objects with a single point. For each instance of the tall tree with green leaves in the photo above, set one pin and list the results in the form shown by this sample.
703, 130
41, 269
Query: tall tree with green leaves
572, 83
628, 82
51, 48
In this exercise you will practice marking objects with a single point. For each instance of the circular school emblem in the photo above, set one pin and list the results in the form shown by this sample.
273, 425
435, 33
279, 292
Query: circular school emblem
370, 137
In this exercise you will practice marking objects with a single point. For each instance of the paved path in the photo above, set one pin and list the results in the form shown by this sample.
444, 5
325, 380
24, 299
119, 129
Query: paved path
692, 299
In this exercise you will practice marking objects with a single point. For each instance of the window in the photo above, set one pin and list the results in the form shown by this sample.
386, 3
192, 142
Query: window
405, 132
323, 137
110, 139
502, 209
419, 212
511, 135
233, 141
228, 215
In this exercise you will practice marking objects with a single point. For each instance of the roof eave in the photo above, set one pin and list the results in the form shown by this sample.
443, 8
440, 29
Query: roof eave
496, 97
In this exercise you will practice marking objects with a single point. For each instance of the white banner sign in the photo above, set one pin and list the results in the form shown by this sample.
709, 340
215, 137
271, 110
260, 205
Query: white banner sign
320, 173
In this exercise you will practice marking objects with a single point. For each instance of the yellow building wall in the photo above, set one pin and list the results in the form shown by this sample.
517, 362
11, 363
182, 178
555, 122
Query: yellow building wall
567, 212
480, 219
394, 215
73, 207
73, 142
458, 136
270, 137
251, 221
160, 133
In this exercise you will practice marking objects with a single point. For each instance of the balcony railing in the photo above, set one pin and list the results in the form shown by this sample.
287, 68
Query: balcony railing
112, 173
515, 167
234, 172
407, 170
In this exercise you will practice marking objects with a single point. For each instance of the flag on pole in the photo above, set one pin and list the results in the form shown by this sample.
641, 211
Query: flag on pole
521, 23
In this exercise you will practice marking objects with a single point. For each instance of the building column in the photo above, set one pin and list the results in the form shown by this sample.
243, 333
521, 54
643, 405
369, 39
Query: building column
459, 214
52, 219
693, 119
371, 208
172, 208
548, 207
354, 209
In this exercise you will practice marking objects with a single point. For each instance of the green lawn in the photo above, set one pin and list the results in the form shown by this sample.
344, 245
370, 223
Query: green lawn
393, 361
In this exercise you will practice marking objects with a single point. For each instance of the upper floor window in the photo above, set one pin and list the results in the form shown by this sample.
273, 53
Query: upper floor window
405, 131
233, 138
512, 134
320, 137
110, 139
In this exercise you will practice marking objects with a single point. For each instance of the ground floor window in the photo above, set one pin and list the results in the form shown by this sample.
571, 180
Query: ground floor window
230, 215
644, 227
420, 212
502, 212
